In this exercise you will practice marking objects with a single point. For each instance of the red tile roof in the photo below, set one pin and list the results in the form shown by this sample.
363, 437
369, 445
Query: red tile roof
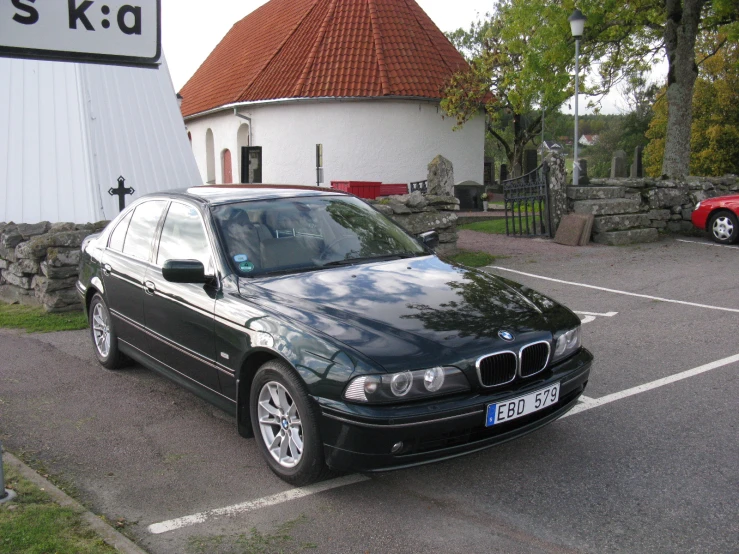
325, 48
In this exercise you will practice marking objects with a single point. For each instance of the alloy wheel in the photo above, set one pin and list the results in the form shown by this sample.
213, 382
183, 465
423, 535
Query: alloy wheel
101, 329
279, 422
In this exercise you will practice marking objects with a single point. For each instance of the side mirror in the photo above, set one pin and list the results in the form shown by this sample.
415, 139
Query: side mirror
430, 239
184, 271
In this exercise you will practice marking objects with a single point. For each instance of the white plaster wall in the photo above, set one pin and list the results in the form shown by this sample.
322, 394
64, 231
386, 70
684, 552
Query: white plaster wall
376, 140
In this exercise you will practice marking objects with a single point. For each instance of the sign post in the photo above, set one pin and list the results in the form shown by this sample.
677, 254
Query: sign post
113, 32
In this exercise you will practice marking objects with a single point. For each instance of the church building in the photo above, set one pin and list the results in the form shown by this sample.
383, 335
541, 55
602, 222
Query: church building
361, 78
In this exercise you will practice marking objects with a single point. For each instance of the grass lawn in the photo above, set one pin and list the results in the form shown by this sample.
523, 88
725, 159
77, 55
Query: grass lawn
33, 524
36, 320
496, 226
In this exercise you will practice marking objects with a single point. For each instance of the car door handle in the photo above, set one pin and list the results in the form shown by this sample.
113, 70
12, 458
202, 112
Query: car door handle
149, 287
107, 269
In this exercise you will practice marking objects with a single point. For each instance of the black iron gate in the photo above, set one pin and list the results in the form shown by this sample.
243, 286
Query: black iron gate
526, 201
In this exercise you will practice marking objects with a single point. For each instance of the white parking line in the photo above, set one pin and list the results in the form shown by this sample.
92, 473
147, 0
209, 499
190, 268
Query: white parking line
591, 403
589, 317
279, 498
707, 243
585, 403
683, 302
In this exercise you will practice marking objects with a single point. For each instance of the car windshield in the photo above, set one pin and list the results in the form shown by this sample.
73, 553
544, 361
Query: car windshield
300, 234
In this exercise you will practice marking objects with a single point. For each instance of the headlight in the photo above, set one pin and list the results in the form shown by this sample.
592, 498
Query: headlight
567, 343
698, 205
406, 385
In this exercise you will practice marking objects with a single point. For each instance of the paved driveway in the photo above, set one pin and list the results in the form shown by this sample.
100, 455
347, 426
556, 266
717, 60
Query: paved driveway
647, 463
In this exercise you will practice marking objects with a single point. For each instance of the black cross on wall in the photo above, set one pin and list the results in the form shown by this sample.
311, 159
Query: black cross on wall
121, 191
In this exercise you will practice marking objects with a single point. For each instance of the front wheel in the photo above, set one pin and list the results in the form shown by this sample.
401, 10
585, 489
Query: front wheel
285, 424
104, 339
724, 228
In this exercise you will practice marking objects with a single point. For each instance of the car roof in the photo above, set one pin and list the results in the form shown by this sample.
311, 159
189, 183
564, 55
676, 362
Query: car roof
224, 194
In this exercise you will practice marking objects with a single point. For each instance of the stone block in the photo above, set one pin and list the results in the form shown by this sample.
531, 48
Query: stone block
62, 226
28, 230
416, 200
666, 198
24, 266
3, 264
657, 224
58, 272
7, 254
399, 209
45, 285
426, 221
14, 295
608, 206
676, 217
441, 200
662, 215
440, 177
687, 213
36, 247
594, 193
674, 226
59, 257
60, 299
687, 227
384, 209
445, 237
10, 237
620, 238
606, 223
13, 279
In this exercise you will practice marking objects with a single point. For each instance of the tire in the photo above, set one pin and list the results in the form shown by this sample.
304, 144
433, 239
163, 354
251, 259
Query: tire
102, 333
279, 395
723, 227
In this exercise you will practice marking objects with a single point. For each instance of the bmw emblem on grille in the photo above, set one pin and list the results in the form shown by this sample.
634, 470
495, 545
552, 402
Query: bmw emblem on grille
505, 335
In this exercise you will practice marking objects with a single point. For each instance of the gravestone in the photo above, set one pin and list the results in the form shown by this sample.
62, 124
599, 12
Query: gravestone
440, 177
468, 194
584, 180
503, 172
618, 165
530, 160
637, 169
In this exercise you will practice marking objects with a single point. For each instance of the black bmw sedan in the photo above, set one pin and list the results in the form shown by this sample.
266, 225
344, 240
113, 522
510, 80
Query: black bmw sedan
333, 337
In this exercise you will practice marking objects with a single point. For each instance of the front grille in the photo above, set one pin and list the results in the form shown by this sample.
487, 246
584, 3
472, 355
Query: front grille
534, 358
497, 369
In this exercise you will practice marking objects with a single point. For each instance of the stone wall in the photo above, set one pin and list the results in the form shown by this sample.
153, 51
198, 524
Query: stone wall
419, 213
39, 263
629, 211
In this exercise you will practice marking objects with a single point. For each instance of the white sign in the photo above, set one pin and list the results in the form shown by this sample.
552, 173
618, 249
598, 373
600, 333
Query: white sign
100, 31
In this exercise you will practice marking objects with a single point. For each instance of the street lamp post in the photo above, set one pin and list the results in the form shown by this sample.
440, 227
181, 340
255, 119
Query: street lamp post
577, 25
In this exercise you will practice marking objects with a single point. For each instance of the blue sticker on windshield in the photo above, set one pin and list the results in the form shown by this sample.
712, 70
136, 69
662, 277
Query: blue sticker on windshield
246, 267
238, 258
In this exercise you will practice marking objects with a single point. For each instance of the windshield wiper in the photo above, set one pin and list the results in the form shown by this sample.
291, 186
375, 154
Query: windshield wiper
352, 261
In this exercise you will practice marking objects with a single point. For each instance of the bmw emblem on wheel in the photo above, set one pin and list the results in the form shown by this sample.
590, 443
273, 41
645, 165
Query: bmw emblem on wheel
505, 335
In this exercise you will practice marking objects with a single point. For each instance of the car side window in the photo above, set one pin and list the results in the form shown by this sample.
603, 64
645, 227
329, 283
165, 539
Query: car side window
183, 236
142, 228
119, 233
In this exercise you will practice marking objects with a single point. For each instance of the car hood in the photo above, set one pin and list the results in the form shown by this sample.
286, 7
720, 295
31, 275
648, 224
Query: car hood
413, 313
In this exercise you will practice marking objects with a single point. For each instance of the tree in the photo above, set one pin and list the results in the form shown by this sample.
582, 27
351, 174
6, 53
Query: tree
620, 38
714, 145
504, 77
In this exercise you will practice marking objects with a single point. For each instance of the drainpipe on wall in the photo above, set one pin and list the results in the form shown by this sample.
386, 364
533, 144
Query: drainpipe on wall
237, 114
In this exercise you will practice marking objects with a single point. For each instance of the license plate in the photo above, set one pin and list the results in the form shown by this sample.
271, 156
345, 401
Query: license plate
521, 406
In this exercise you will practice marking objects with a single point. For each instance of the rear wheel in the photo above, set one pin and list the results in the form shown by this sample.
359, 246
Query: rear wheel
104, 339
285, 424
724, 227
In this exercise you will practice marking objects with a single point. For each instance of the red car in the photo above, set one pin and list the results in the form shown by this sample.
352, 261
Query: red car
720, 217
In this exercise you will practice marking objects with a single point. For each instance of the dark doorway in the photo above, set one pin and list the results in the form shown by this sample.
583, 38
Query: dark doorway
251, 164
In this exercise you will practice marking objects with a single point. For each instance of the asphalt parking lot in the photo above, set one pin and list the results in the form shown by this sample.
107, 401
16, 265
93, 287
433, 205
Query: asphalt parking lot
647, 463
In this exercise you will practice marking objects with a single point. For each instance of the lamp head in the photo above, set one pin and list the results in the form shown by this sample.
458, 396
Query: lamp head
577, 23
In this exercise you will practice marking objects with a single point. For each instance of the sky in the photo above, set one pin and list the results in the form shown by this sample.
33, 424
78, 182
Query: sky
189, 33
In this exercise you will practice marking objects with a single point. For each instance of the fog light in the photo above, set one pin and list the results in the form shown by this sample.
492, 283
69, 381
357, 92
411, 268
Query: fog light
396, 447
401, 383
433, 379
